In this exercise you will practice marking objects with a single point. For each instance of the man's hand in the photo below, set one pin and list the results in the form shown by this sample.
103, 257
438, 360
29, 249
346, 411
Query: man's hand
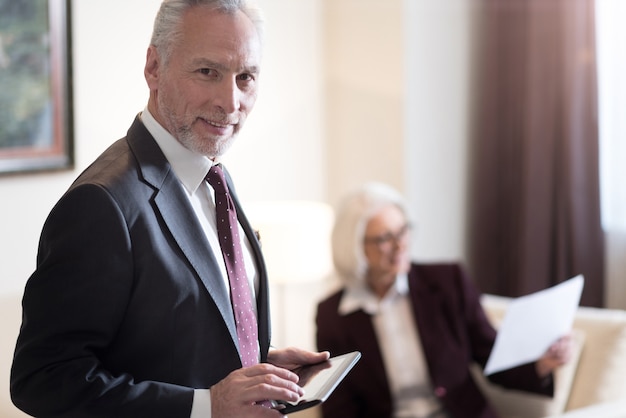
292, 357
240, 393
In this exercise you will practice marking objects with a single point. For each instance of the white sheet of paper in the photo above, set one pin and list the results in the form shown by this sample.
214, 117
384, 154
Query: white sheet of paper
533, 323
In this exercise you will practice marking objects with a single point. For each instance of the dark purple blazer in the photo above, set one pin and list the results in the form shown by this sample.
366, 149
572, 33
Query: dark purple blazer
127, 311
454, 332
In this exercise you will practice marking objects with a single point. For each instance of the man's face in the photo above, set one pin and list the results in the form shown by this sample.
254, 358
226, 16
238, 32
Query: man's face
205, 91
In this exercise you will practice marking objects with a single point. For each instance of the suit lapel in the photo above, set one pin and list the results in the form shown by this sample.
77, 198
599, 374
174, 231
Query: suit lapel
187, 232
180, 219
361, 334
427, 300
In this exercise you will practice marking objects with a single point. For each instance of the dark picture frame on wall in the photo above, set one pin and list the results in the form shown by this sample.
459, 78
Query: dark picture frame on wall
36, 114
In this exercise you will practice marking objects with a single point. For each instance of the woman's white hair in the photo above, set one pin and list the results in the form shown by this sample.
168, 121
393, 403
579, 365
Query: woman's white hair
351, 218
167, 28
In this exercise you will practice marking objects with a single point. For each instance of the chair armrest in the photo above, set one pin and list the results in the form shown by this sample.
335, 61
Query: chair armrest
614, 409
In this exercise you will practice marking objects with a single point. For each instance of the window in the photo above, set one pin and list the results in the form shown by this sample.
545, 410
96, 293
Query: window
611, 38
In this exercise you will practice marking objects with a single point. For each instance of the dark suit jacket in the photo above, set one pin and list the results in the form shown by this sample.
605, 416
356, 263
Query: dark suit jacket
126, 312
454, 332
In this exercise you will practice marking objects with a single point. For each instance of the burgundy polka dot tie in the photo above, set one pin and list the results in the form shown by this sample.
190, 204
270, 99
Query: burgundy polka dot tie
241, 299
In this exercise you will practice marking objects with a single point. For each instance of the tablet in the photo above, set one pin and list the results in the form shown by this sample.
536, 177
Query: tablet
319, 381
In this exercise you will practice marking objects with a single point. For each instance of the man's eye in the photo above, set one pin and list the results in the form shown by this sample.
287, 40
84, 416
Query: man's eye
245, 77
206, 71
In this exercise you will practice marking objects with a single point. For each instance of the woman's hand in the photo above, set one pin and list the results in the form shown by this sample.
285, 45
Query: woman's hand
557, 355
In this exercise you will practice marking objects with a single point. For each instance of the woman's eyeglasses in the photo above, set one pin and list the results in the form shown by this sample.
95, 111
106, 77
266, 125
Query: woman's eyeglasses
386, 241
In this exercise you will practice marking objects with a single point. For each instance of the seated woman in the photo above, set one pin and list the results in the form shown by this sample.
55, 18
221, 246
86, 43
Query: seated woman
418, 326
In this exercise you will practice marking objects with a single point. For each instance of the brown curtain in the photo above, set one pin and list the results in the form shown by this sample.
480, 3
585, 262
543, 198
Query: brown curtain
534, 217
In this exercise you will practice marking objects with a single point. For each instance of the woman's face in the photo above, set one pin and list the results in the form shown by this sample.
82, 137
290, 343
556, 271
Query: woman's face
386, 244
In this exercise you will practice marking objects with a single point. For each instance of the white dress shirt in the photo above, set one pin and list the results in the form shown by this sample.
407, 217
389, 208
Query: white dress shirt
191, 169
400, 346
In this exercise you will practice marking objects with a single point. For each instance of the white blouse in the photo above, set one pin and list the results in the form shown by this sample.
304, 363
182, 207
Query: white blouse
400, 346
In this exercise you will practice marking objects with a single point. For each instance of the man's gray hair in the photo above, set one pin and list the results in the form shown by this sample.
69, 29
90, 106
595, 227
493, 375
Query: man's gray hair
167, 26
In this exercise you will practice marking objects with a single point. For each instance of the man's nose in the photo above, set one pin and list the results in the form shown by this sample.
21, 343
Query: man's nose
228, 95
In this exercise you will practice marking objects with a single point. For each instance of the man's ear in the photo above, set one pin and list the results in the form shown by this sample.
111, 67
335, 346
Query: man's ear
152, 68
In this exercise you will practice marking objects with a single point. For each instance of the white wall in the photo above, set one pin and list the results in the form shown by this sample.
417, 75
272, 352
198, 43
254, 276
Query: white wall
366, 88
398, 81
438, 84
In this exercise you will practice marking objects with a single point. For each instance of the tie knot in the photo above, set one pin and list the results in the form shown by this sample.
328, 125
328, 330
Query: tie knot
216, 178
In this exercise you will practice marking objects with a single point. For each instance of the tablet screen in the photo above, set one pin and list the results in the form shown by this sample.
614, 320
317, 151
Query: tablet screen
320, 380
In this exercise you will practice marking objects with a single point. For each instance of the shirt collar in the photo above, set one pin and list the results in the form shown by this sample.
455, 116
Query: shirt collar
191, 168
359, 296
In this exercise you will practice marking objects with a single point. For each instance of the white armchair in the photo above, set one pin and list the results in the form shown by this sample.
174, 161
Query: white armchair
592, 385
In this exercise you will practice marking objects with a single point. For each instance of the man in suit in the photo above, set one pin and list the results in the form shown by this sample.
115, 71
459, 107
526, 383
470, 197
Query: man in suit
128, 313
